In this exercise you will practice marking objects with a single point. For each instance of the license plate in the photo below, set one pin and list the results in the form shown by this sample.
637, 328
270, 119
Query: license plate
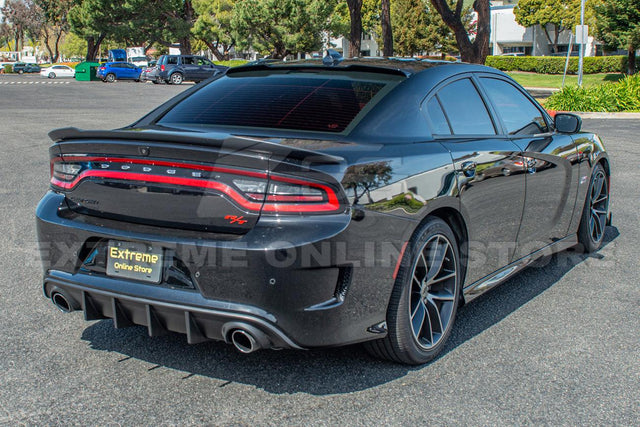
133, 260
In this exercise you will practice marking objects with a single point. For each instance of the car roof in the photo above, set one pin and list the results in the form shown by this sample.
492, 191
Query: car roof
393, 65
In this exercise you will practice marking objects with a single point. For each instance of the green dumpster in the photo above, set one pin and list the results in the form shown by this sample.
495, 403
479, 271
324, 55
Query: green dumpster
86, 71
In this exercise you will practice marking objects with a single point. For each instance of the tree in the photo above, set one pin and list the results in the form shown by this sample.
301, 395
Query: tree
410, 26
355, 33
213, 26
618, 25
387, 33
557, 14
23, 20
53, 15
475, 51
281, 27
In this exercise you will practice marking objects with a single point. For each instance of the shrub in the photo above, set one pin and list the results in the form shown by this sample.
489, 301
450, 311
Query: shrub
8, 68
623, 95
231, 63
555, 64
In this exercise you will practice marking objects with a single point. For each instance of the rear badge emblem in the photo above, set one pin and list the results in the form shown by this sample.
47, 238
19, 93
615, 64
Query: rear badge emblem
144, 151
234, 219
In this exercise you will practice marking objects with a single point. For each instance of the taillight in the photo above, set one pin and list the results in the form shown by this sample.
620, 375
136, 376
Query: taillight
162, 68
289, 195
103, 68
63, 173
251, 190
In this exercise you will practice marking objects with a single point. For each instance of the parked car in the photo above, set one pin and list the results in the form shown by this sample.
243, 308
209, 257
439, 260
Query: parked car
150, 73
174, 69
112, 71
21, 68
304, 205
58, 71
139, 61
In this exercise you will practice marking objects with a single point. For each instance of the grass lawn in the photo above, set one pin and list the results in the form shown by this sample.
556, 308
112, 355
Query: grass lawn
555, 80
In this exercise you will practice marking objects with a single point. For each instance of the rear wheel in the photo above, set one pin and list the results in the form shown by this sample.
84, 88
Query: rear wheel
20, 71
52, 75
425, 297
595, 212
110, 78
176, 78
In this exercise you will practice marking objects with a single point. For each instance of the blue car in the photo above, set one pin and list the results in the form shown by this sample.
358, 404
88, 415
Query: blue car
112, 71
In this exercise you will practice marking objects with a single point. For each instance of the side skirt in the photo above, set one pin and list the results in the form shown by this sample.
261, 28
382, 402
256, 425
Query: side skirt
481, 286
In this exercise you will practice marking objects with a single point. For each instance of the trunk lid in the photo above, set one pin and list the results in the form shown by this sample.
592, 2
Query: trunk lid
189, 181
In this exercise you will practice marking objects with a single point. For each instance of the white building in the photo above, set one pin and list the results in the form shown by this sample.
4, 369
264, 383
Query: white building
509, 37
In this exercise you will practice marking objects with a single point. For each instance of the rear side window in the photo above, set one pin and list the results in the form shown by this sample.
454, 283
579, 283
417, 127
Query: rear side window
439, 124
465, 109
519, 115
172, 60
297, 101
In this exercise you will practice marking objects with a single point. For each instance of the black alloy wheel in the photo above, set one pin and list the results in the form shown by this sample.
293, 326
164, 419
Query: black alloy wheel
595, 212
425, 298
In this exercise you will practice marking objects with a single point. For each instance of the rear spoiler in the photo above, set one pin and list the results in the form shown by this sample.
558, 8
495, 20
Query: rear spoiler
234, 143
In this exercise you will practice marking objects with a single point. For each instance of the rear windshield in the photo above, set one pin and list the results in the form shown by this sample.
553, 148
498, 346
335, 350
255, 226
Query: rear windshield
319, 102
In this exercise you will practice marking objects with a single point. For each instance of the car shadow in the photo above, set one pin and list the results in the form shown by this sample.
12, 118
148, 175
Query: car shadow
325, 371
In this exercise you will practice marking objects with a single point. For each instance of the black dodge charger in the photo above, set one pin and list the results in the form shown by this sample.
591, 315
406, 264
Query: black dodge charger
303, 204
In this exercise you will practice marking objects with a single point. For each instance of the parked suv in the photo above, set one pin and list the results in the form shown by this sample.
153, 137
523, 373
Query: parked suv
21, 67
111, 71
174, 69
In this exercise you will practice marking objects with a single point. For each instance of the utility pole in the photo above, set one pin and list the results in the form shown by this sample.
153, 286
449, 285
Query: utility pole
581, 41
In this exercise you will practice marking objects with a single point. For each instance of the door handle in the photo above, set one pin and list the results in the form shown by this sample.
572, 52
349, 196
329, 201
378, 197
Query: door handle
468, 168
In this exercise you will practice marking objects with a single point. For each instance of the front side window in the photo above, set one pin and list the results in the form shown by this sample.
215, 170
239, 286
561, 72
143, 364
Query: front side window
465, 109
172, 60
519, 115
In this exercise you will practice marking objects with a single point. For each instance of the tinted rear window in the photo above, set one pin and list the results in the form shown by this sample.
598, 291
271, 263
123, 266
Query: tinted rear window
319, 102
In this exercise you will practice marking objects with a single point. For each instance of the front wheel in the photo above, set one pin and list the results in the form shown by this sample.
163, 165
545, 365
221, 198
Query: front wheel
425, 297
176, 78
20, 71
595, 212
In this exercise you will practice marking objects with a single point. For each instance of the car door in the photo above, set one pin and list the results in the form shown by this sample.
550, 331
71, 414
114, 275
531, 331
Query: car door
551, 161
491, 185
190, 68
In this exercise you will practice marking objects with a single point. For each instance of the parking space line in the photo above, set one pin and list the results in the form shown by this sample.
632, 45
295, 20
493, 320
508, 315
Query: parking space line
35, 83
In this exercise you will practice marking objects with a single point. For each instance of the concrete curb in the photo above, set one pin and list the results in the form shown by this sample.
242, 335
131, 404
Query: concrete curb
595, 115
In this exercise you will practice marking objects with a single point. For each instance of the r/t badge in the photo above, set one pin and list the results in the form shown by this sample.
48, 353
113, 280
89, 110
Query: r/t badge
234, 219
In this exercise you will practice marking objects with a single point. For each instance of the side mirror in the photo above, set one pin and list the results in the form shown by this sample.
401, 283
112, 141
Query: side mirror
567, 123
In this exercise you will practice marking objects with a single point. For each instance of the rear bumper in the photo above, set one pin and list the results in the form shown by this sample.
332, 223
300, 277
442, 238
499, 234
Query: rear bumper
304, 281
169, 310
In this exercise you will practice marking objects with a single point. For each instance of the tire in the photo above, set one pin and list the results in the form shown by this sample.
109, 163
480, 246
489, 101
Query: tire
155, 82
506, 172
420, 315
595, 211
52, 75
110, 78
176, 78
20, 71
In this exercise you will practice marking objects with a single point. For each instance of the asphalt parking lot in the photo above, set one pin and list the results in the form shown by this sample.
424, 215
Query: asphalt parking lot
559, 344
